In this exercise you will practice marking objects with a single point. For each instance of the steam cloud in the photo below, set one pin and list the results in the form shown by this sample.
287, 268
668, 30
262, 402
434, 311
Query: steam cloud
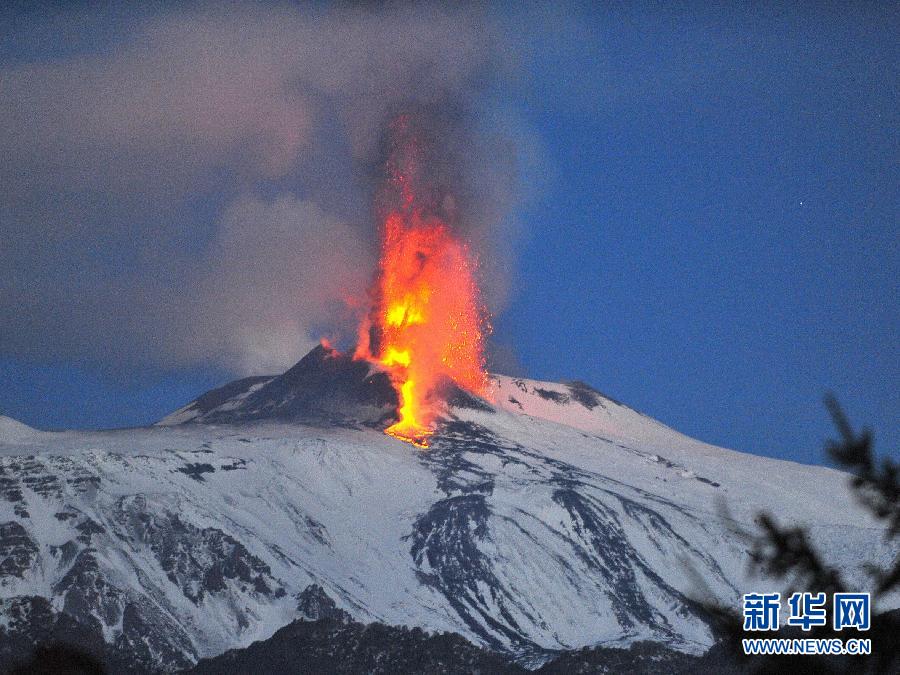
199, 189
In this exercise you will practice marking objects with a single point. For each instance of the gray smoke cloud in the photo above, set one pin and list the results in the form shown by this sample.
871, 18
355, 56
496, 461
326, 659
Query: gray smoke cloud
195, 187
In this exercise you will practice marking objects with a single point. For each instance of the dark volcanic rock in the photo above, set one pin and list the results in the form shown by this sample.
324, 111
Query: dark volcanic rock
9, 484
88, 528
31, 621
36, 477
149, 639
555, 396
196, 470
649, 658
333, 646
586, 395
197, 560
59, 658
152, 639
32, 624
457, 397
216, 397
314, 604
88, 597
324, 387
35, 627
17, 550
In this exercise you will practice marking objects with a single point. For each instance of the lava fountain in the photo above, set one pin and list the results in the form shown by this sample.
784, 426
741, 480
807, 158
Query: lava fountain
428, 324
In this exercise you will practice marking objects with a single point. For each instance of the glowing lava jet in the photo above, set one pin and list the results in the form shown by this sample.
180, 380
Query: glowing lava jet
427, 325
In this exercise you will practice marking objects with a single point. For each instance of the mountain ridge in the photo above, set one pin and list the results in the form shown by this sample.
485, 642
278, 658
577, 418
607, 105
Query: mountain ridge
555, 521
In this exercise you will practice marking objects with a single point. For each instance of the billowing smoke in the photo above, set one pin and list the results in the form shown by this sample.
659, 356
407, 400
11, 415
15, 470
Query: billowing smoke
197, 186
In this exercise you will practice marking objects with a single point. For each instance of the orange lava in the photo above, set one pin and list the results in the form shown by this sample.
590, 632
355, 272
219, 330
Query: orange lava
429, 322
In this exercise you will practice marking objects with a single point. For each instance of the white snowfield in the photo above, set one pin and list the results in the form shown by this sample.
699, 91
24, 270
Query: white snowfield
561, 520
12, 431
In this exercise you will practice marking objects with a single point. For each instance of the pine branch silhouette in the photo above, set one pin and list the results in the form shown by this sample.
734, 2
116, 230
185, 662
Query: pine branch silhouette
876, 487
788, 553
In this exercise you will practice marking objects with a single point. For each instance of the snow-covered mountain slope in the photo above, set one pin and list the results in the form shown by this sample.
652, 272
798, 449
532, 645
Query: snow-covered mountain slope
554, 519
227, 397
12, 430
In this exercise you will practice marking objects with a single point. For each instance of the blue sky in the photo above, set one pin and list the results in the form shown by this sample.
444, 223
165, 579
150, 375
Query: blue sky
707, 229
725, 236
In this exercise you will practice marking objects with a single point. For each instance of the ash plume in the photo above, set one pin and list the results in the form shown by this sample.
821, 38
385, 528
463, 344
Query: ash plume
197, 186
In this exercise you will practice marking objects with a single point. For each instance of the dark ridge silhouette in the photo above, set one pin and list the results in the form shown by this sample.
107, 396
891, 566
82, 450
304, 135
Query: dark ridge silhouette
332, 645
59, 659
325, 387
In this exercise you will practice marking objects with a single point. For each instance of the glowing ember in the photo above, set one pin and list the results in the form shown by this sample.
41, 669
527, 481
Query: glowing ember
428, 323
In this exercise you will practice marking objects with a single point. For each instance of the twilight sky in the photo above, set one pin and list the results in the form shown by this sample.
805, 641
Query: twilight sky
695, 210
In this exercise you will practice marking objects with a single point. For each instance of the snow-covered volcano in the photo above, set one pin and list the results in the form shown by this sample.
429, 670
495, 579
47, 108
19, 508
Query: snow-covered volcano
550, 518
13, 430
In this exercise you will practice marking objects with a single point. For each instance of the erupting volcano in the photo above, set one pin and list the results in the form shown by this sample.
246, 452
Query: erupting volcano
427, 323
